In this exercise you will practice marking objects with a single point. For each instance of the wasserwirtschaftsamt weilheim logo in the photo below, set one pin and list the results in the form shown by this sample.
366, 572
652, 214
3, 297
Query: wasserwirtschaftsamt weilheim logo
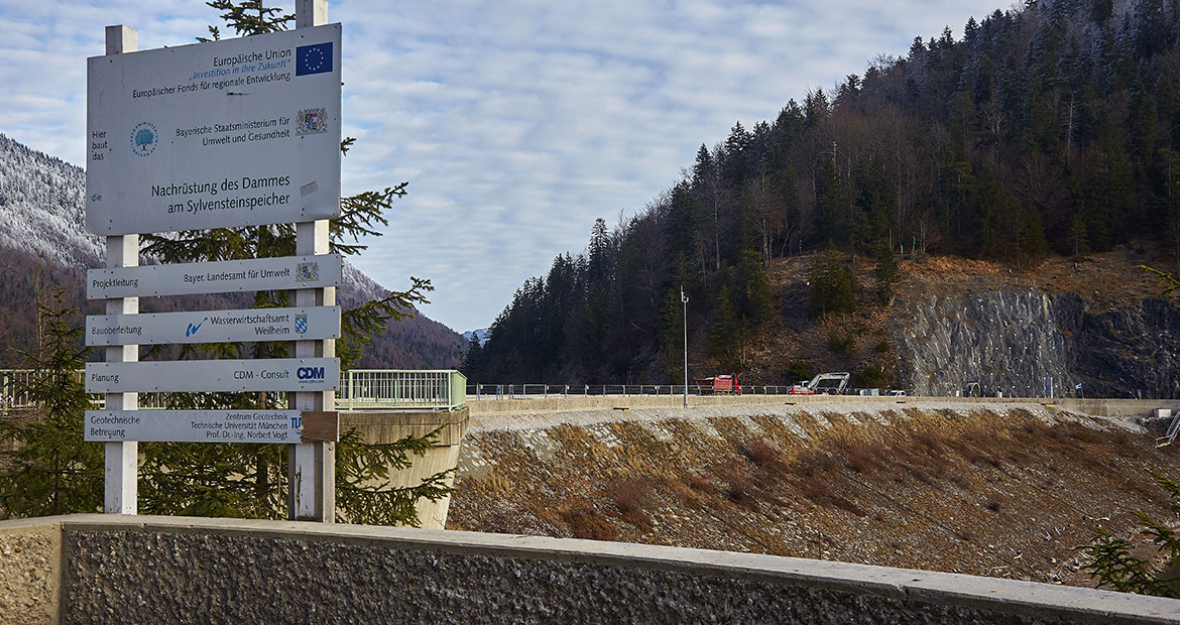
144, 139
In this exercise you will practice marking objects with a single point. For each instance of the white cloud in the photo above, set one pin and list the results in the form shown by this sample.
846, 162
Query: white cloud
516, 122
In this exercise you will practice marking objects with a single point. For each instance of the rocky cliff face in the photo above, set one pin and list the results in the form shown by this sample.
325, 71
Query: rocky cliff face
1013, 342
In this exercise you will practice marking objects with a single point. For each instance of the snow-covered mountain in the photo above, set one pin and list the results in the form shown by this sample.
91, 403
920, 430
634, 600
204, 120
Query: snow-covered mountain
42, 225
482, 334
42, 209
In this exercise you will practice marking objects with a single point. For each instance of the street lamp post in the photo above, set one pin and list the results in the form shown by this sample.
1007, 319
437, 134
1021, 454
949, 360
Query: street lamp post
684, 300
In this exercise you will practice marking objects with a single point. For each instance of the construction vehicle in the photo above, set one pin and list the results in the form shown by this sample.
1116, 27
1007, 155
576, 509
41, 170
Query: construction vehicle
726, 384
829, 383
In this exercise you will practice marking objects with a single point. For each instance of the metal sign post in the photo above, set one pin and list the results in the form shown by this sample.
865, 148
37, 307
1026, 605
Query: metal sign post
684, 301
311, 483
121, 458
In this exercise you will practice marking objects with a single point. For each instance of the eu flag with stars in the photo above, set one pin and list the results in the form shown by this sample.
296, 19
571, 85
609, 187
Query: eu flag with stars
315, 59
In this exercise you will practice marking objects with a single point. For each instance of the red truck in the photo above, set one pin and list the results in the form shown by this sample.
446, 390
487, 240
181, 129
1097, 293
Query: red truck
726, 384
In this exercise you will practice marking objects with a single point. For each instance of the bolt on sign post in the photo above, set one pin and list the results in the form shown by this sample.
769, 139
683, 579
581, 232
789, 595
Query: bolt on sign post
230, 133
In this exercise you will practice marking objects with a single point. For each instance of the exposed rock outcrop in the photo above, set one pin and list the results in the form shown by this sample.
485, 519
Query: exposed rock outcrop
1016, 342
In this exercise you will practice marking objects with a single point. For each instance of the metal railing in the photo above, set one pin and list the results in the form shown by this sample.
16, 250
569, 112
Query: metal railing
1170, 436
389, 388
11, 394
359, 389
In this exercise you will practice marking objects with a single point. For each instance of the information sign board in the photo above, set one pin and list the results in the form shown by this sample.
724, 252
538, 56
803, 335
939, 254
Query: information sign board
215, 326
274, 374
223, 276
237, 132
194, 426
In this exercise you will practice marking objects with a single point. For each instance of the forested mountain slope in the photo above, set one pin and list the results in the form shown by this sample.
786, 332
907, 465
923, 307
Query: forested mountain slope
44, 243
1052, 129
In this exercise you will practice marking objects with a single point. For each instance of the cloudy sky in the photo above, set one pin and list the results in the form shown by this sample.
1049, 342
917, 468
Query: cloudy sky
516, 122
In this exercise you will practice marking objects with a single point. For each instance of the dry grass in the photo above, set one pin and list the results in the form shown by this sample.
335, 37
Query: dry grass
738, 490
937, 484
861, 456
815, 487
761, 453
630, 498
588, 524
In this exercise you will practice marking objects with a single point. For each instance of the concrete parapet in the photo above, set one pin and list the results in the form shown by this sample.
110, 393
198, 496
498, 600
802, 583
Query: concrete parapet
381, 427
173, 569
1125, 408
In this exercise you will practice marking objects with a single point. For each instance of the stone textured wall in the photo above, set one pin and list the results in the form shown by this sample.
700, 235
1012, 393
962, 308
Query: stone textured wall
29, 573
1010, 342
193, 575
128, 569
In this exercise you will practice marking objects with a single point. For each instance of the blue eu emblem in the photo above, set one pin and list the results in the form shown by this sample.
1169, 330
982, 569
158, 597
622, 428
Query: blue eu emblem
314, 59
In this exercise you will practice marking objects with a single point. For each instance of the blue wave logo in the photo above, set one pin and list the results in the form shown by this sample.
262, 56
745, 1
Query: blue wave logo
192, 329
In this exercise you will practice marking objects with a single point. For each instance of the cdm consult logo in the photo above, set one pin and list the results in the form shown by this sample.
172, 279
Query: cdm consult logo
144, 139
310, 374
303, 374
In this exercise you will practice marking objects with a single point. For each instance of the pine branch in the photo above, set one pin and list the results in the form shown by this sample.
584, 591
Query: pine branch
1170, 281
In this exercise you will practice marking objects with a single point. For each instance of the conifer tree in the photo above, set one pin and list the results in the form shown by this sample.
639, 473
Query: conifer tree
833, 285
52, 470
1111, 562
671, 328
756, 302
886, 273
726, 334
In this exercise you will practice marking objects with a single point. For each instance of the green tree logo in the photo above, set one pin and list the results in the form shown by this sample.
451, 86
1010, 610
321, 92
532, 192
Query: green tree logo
144, 139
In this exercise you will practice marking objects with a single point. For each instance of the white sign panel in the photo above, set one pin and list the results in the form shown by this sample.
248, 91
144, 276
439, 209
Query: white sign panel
229, 133
194, 426
224, 276
215, 326
275, 374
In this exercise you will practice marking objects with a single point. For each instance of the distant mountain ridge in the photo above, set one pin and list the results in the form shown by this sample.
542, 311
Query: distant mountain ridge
42, 208
481, 333
43, 242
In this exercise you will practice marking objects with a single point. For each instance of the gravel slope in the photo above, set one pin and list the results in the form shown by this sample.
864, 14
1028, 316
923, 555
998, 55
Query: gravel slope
1005, 492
